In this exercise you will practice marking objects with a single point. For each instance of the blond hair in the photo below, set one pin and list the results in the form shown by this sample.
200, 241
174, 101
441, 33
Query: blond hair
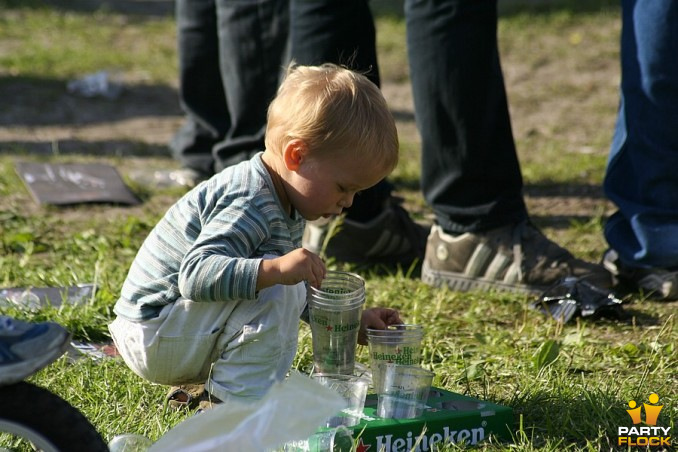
333, 109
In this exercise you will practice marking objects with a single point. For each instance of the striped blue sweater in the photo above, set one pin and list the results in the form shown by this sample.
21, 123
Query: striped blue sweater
209, 245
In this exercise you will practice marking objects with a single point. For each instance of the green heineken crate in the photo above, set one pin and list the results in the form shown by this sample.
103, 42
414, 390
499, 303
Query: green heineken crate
449, 418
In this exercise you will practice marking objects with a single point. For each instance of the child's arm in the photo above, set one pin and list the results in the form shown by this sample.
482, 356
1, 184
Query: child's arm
292, 268
377, 318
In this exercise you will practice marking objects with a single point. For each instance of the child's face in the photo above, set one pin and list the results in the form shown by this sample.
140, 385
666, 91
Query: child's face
323, 186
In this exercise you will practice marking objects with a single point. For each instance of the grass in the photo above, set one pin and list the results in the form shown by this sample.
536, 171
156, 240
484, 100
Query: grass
59, 43
568, 385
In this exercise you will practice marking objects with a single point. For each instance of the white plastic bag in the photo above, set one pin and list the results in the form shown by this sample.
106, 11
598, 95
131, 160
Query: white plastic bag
291, 410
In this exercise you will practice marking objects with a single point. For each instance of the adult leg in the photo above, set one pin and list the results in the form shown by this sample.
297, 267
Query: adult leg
201, 93
340, 32
231, 55
376, 228
335, 31
252, 56
470, 171
641, 178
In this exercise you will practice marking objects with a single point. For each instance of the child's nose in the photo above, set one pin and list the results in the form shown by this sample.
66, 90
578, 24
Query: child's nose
346, 201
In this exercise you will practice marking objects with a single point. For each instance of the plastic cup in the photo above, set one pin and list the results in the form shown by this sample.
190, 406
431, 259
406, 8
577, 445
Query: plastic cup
405, 391
354, 391
334, 314
398, 344
129, 442
338, 439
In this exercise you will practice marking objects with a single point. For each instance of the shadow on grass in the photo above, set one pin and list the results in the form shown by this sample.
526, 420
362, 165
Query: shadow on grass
565, 189
102, 148
580, 203
31, 102
36, 101
561, 222
403, 115
637, 317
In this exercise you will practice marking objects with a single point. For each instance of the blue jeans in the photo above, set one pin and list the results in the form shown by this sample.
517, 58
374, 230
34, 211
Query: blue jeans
231, 55
642, 172
470, 172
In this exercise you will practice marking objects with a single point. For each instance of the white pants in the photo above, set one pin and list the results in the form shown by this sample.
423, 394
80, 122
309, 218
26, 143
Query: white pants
241, 346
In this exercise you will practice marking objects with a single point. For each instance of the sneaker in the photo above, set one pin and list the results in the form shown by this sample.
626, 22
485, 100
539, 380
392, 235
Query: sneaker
26, 347
515, 258
657, 283
392, 237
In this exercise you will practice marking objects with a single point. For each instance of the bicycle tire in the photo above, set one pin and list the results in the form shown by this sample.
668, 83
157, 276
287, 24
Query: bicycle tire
39, 416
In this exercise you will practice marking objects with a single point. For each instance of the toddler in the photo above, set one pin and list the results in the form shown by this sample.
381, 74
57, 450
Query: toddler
217, 289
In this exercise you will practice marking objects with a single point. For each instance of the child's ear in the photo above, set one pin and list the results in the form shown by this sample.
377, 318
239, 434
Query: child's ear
294, 154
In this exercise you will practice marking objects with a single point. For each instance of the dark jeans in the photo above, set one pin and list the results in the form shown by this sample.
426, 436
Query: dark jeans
231, 55
642, 173
470, 172
340, 32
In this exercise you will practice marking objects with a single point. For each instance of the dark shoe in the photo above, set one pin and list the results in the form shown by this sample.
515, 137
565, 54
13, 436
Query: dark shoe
657, 283
390, 238
516, 258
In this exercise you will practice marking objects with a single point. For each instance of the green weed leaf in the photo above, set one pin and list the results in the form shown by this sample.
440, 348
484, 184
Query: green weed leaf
546, 354
475, 370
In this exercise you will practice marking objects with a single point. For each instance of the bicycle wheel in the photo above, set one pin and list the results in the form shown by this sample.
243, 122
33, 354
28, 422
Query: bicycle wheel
33, 418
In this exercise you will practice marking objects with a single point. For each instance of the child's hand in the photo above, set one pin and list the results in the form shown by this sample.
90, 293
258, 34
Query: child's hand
378, 319
292, 268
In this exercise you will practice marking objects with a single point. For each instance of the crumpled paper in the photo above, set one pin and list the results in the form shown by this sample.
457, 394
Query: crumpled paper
290, 410
574, 297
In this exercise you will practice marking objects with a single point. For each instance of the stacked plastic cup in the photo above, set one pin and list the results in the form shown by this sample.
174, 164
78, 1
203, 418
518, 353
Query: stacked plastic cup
335, 309
397, 344
354, 391
404, 391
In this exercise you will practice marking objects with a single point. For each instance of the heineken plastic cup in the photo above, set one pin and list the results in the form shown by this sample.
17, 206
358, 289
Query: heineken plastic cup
334, 440
334, 314
405, 391
398, 344
354, 391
